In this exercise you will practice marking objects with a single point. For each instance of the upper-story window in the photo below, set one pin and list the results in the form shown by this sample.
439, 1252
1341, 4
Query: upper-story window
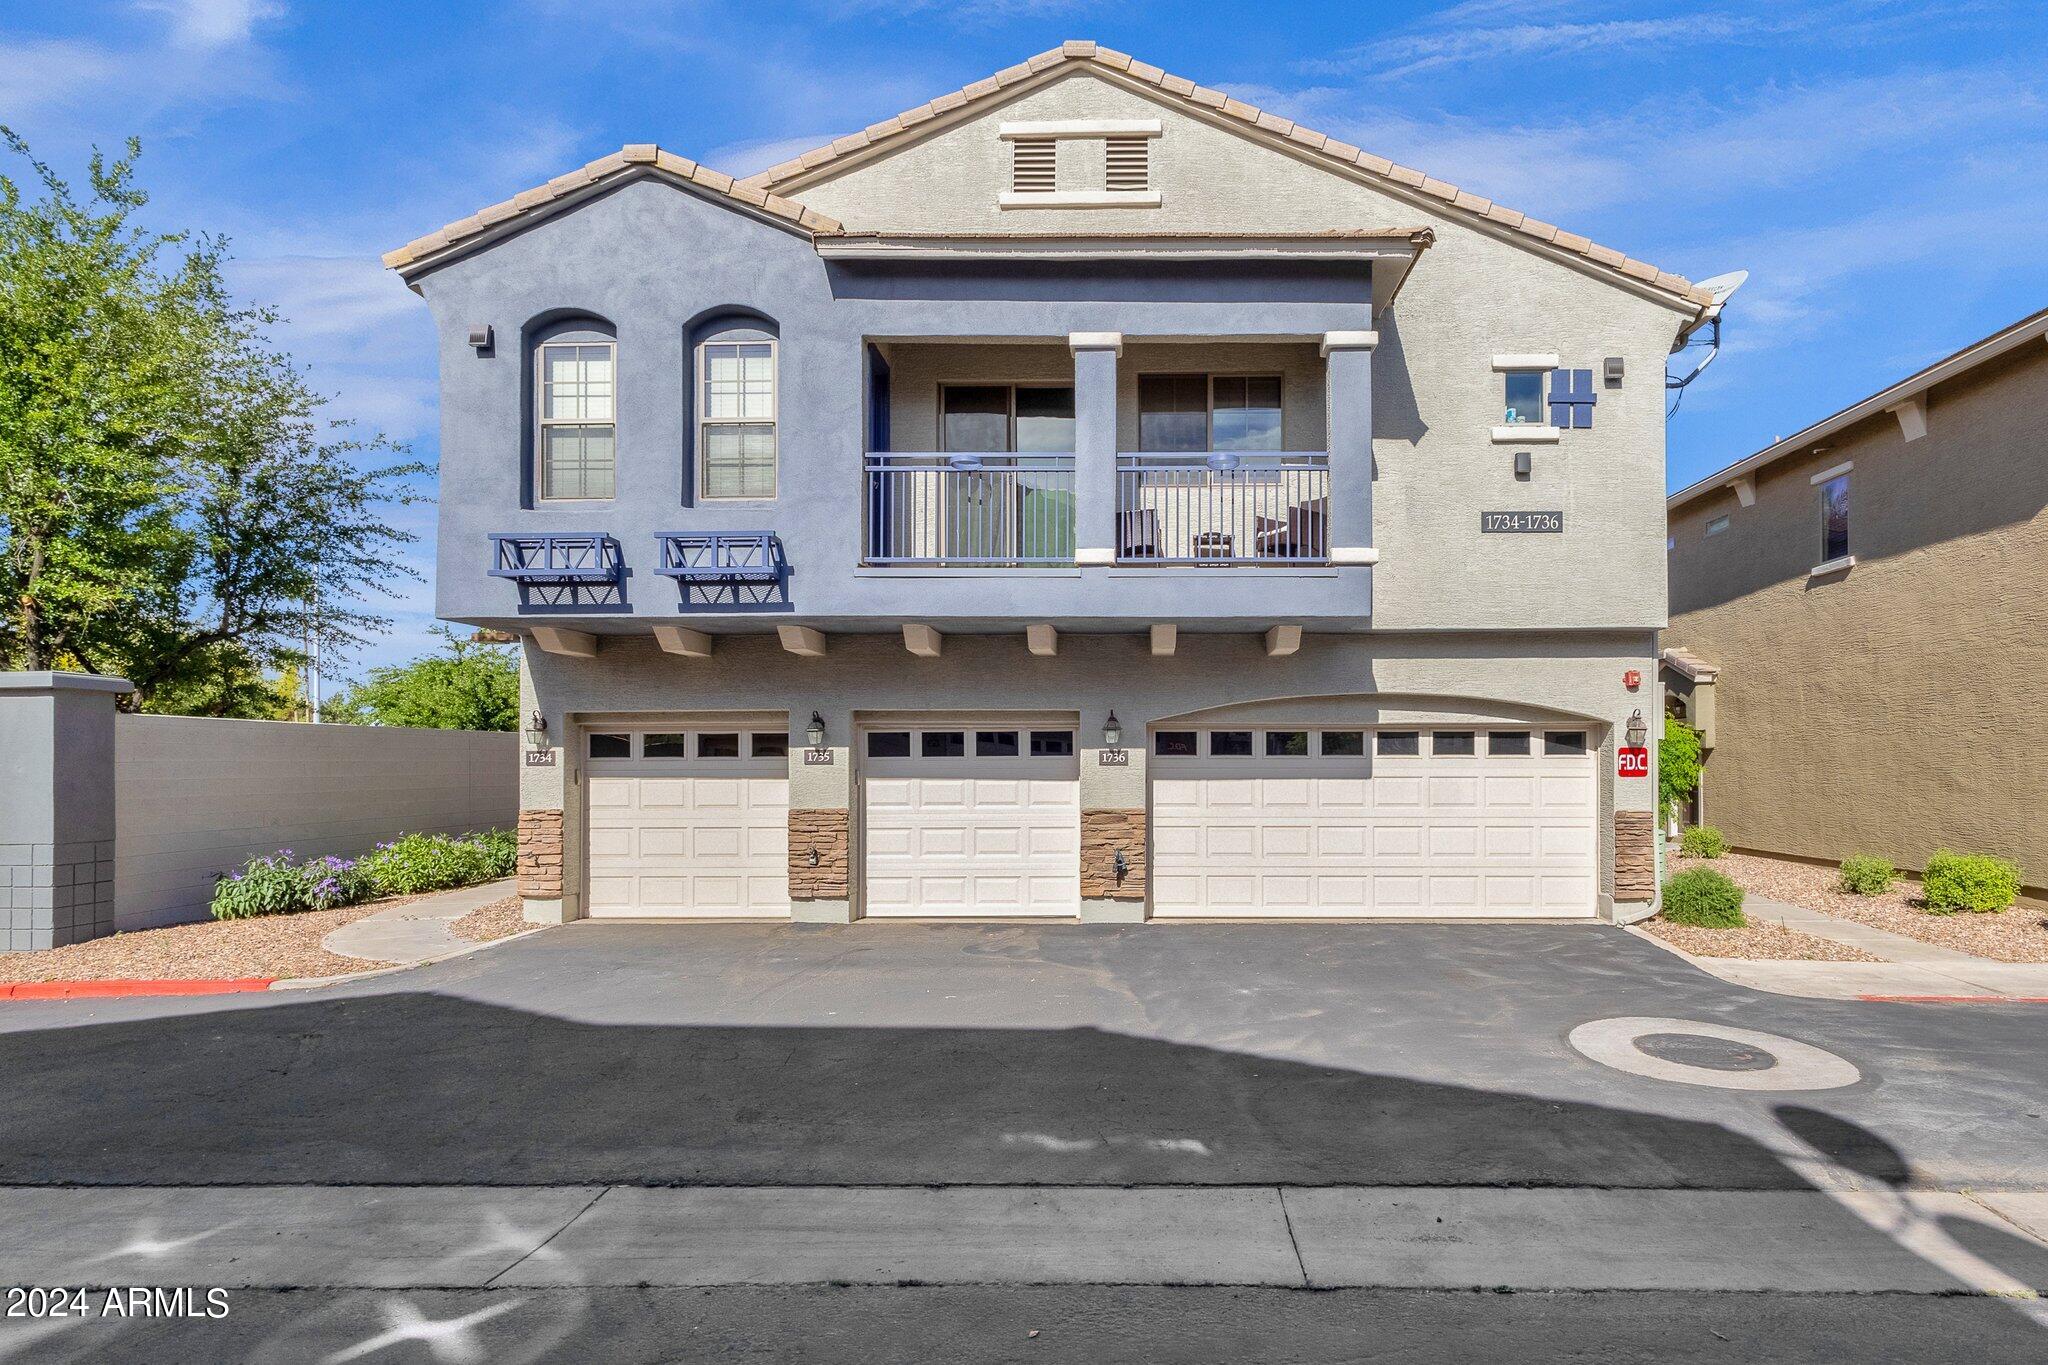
1004, 418
1201, 412
1524, 405
578, 428
1834, 519
736, 445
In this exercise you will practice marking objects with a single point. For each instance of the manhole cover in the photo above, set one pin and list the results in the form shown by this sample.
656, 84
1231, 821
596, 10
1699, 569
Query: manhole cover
1695, 1049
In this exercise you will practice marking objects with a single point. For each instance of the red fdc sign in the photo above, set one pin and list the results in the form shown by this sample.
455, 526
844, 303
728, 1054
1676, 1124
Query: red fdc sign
1632, 762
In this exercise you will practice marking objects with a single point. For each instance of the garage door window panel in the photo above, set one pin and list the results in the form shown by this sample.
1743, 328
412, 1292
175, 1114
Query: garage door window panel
1563, 743
943, 744
1176, 743
1398, 743
767, 745
1508, 744
1343, 744
611, 746
1452, 744
1052, 743
720, 744
660, 745
1287, 744
995, 743
889, 744
1230, 744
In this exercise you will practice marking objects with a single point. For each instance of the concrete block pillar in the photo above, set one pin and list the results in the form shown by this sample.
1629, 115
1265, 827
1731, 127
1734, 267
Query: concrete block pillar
56, 808
550, 804
1348, 357
1113, 819
822, 871
1095, 357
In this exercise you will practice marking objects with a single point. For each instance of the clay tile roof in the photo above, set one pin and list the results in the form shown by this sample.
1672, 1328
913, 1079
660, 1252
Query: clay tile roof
633, 159
1087, 54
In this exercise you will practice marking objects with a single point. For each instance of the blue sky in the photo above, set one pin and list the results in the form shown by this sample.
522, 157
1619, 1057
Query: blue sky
1875, 165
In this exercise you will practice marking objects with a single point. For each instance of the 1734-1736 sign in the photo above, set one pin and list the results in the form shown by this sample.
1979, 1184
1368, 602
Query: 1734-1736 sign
1520, 523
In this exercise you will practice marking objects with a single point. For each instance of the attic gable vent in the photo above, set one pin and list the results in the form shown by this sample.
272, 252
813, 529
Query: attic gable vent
1129, 165
1032, 163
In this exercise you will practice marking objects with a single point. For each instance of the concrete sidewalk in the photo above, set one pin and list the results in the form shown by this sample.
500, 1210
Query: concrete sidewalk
417, 931
1792, 1241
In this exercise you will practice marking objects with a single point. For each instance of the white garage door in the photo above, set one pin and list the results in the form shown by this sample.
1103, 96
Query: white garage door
689, 823
972, 821
1373, 824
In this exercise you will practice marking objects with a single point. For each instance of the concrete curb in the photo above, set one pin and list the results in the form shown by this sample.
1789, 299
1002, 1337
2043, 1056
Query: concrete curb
115, 987
306, 983
1870, 982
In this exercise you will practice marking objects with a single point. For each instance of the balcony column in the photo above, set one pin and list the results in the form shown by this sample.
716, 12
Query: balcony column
1348, 360
1095, 357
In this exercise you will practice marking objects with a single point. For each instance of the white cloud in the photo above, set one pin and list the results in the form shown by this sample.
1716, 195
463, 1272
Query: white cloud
213, 23
1410, 54
49, 72
743, 159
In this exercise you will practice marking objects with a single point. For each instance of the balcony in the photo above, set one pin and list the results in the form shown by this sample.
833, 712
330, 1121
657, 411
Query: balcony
556, 559
1223, 508
983, 510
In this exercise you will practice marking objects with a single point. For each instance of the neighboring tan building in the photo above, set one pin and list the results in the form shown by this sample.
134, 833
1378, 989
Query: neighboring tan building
1859, 621
1083, 495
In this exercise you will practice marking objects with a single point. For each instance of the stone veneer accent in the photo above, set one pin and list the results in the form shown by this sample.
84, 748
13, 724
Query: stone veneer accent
827, 832
1103, 832
1635, 855
540, 854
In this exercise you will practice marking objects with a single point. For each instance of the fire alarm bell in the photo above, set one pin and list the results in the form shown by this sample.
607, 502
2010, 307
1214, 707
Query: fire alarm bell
1632, 679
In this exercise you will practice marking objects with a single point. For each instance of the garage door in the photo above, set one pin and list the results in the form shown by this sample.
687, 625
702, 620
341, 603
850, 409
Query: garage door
1384, 824
972, 821
689, 823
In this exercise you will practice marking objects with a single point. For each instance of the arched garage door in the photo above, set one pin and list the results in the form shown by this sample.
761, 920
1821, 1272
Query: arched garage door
1326, 822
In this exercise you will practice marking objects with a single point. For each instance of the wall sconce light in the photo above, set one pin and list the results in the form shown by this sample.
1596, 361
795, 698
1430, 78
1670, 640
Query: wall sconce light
811, 858
814, 733
1523, 464
1637, 730
537, 730
1120, 865
1112, 732
482, 337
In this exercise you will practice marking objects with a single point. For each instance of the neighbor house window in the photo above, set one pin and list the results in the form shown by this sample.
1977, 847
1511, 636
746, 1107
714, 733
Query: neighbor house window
1834, 519
578, 445
736, 421
1196, 413
1716, 525
1002, 419
1525, 398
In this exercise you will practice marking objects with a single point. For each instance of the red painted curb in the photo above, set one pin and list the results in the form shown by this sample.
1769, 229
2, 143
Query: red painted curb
1958, 999
101, 990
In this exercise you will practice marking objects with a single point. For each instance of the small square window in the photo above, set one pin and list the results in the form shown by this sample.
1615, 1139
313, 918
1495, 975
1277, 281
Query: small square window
664, 746
769, 745
1398, 743
1343, 744
995, 743
718, 746
1452, 743
1716, 525
611, 746
943, 744
1286, 744
1174, 744
1052, 743
1230, 744
1557, 742
888, 744
1525, 398
1506, 743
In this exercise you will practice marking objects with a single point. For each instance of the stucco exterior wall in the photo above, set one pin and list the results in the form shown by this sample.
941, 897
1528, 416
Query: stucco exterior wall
195, 797
1896, 708
1574, 679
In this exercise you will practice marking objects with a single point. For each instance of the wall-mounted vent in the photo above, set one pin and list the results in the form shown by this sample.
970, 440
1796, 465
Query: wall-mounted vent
1129, 162
1032, 165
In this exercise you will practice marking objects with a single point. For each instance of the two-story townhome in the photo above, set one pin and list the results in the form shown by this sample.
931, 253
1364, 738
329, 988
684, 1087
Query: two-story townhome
1859, 621
1083, 495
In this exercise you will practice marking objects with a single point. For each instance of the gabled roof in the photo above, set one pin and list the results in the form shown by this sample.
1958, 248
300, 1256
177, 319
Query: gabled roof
2032, 328
634, 161
1214, 103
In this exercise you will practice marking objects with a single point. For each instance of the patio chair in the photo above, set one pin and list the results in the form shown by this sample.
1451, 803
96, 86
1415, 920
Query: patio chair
1305, 534
1137, 534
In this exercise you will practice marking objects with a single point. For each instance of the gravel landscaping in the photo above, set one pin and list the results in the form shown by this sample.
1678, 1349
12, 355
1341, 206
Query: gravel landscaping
499, 919
2016, 935
267, 945
1758, 940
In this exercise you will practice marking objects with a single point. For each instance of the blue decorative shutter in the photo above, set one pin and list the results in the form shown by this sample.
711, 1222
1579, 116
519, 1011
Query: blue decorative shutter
1572, 398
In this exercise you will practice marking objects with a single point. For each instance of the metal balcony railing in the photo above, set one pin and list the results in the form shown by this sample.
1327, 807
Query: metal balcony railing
1223, 507
551, 557
992, 509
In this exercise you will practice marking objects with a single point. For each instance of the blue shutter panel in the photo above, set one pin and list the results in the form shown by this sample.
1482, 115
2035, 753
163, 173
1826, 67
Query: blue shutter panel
1572, 399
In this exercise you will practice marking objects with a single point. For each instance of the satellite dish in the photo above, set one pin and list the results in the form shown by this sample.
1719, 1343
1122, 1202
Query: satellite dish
1723, 287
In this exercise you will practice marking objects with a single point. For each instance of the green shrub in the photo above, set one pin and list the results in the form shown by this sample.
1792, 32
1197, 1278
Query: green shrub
1865, 875
275, 885
1976, 882
1705, 899
415, 863
1702, 841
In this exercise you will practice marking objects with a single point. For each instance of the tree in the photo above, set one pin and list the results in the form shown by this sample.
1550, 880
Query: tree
1678, 766
473, 686
174, 507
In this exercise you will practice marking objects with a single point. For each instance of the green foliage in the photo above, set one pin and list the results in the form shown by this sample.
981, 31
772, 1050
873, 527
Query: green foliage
278, 886
1705, 899
1976, 882
470, 687
416, 863
172, 506
1702, 841
1678, 766
1866, 875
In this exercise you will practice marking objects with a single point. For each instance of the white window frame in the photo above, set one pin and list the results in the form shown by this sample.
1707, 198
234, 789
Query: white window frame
698, 404
1542, 403
1821, 482
541, 420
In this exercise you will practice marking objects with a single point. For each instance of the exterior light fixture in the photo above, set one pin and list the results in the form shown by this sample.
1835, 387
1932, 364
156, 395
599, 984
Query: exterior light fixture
1112, 732
814, 733
1637, 730
537, 730
1120, 865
